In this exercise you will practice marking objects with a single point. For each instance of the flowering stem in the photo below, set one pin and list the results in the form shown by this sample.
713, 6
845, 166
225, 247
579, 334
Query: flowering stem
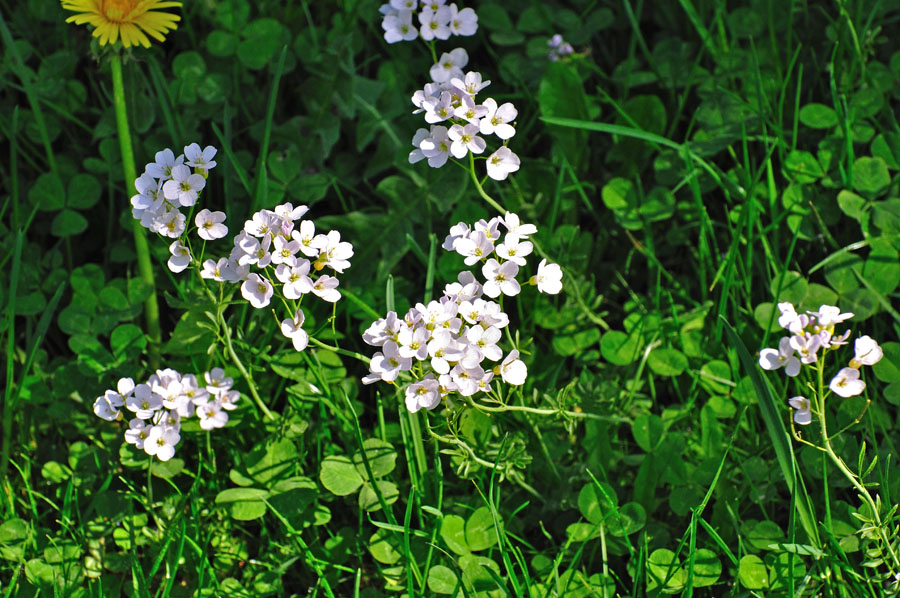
142, 248
240, 366
481, 190
340, 351
842, 467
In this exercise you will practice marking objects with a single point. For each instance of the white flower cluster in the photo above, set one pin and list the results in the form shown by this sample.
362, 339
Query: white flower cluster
448, 340
160, 404
168, 184
437, 20
283, 247
810, 333
558, 48
450, 99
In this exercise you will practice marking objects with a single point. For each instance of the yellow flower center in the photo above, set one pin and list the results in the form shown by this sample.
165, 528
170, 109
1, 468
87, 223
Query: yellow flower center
118, 10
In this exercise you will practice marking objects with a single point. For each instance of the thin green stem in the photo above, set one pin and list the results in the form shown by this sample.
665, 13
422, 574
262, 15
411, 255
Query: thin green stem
340, 351
842, 467
491, 201
142, 248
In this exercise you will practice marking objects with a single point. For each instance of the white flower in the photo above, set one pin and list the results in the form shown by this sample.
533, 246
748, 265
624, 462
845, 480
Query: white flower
770, 359
829, 315
211, 415
436, 147
387, 366
171, 223
457, 231
497, 119
463, 22
161, 442
293, 329
414, 342
165, 162
295, 278
514, 250
144, 402
806, 346
181, 257
184, 187
802, 416
333, 253
398, 27
416, 155
470, 111
262, 224
288, 213
213, 270
466, 379
137, 432
501, 163
325, 288
474, 248
515, 227
847, 383
868, 352
284, 250
217, 382
209, 225
465, 139
485, 340
404, 4
107, 406
423, 394
513, 370
257, 290
790, 320
548, 278
256, 251
435, 23
471, 84
501, 278
449, 66
438, 109
202, 160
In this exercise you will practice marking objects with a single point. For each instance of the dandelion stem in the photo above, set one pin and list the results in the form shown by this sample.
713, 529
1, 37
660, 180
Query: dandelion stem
142, 248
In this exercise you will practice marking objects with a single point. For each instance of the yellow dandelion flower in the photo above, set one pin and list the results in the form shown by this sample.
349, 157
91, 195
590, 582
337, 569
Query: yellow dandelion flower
130, 20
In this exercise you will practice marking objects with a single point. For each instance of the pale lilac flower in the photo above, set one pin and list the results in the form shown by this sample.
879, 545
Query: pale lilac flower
466, 379
144, 402
171, 223
284, 250
209, 225
161, 441
184, 186
333, 253
501, 278
387, 366
325, 288
292, 328
790, 320
202, 160
181, 257
771, 359
515, 227
257, 290
295, 278
463, 22
213, 270
165, 162
501, 163
469, 111
497, 119
438, 109
435, 23
217, 382
802, 415
457, 231
414, 342
211, 415
423, 394
416, 155
107, 406
485, 340
847, 383
436, 147
449, 66
548, 278
513, 369
806, 346
471, 84
465, 139
513, 249
867, 352
474, 248
829, 315
137, 432
398, 27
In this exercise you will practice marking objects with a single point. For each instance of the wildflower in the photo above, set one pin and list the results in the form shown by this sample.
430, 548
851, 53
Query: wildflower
292, 328
181, 257
802, 415
130, 20
558, 48
436, 147
790, 320
471, 85
513, 370
771, 359
161, 441
423, 394
107, 406
867, 352
184, 187
501, 278
137, 432
201, 160
213, 269
217, 382
387, 366
211, 415
515, 227
548, 278
829, 315
847, 383
514, 250
333, 252
325, 288
295, 278
497, 119
435, 23
450, 65
463, 22
162, 168
465, 139
474, 248
209, 225
501, 163
806, 346
257, 290
144, 402
398, 27
416, 155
